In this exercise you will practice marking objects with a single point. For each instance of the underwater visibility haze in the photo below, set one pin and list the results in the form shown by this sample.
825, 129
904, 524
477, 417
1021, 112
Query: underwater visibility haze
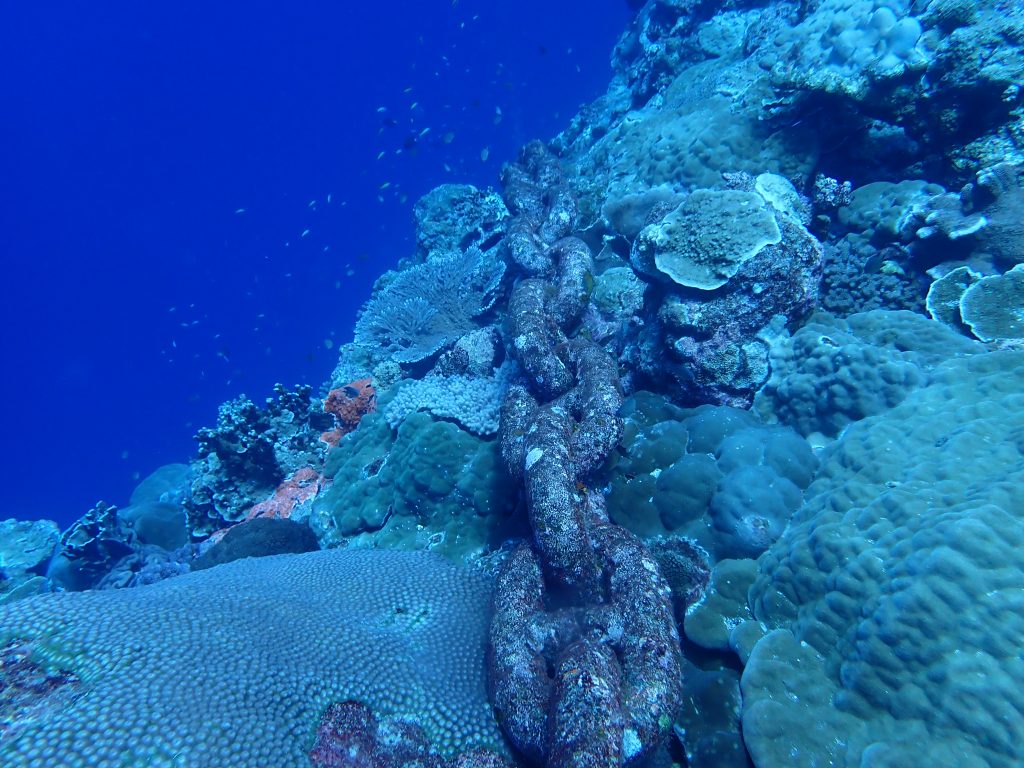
161, 168
492, 385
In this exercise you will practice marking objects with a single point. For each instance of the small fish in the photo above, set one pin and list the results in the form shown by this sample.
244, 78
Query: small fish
328, 198
414, 105
407, 90
425, 131
380, 155
312, 204
385, 185
484, 154
239, 210
305, 232
382, 109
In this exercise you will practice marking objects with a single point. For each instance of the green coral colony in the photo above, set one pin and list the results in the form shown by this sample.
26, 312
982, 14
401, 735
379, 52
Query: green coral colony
683, 448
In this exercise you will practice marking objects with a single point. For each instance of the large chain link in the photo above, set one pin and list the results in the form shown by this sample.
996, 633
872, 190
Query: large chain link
585, 655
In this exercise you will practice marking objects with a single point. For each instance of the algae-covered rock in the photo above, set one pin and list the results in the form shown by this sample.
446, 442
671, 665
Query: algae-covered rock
261, 537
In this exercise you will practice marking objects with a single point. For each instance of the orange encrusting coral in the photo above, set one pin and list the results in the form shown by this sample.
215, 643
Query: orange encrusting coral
302, 486
349, 404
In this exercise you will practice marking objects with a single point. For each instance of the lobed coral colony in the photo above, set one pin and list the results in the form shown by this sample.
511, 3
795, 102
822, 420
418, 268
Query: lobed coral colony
697, 443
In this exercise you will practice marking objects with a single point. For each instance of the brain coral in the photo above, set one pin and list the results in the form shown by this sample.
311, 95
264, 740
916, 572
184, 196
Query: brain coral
896, 595
234, 666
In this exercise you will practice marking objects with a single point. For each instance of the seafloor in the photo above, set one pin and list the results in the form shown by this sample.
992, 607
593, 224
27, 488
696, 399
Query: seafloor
698, 442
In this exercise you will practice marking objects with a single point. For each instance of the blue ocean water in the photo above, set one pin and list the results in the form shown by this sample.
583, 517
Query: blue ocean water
197, 198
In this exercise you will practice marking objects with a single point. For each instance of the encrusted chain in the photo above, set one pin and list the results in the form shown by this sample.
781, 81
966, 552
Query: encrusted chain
585, 652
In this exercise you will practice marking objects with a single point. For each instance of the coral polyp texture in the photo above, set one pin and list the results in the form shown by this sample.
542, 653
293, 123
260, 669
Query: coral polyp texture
894, 596
235, 666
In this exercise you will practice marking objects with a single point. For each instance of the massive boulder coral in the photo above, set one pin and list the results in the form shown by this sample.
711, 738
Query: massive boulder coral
714, 475
833, 372
220, 668
894, 595
427, 484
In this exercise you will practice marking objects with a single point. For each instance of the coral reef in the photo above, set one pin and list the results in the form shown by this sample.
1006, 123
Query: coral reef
833, 372
290, 496
726, 527
350, 736
471, 401
416, 313
251, 451
715, 476
90, 549
349, 404
890, 603
25, 552
221, 668
993, 307
455, 217
427, 485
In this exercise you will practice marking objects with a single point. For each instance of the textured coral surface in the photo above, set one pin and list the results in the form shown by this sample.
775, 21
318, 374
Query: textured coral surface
234, 666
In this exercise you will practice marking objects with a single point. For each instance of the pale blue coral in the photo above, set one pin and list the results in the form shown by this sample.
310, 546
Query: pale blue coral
234, 666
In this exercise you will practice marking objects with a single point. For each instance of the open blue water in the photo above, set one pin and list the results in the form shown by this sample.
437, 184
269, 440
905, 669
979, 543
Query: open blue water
159, 170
